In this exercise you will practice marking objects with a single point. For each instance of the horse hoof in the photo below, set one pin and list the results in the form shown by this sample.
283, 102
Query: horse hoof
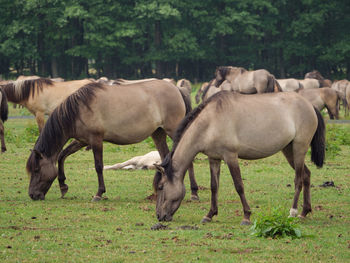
301, 216
205, 220
3, 150
245, 222
96, 198
194, 197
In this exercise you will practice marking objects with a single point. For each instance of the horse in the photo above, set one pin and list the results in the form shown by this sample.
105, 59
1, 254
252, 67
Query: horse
310, 83
341, 87
121, 81
200, 91
315, 74
3, 118
321, 98
41, 96
146, 161
247, 82
229, 126
97, 113
290, 84
184, 83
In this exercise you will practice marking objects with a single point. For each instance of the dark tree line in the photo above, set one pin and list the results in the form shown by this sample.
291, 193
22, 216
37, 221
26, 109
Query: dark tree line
190, 38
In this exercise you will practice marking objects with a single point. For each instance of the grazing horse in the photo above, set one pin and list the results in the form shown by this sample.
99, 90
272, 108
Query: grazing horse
315, 74
229, 126
97, 113
3, 118
247, 82
323, 98
41, 96
290, 84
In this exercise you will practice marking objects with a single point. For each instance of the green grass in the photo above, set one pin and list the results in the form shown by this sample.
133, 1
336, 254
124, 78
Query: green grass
118, 229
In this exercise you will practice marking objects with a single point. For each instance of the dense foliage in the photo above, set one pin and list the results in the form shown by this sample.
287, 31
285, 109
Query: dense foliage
276, 224
143, 38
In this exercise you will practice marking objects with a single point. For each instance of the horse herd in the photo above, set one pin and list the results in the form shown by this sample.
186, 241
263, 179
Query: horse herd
227, 125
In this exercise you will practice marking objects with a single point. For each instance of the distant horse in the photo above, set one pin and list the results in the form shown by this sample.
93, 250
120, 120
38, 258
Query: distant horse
310, 83
97, 113
342, 87
321, 98
247, 82
184, 83
229, 126
317, 75
290, 84
41, 96
3, 118
200, 91
128, 82
146, 161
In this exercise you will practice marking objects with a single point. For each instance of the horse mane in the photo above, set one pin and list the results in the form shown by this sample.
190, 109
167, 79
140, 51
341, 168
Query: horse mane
21, 90
61, 123
185, 123
3, 106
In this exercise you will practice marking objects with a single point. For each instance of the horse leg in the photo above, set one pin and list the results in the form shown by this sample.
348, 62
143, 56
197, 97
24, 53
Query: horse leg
298, 166
159, 138
306, 192
40, 120
73, 147
238, 182
2, 136
214, 183
97, 149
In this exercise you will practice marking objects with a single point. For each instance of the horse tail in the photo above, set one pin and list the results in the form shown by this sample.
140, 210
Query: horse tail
318, 141
272, 84
186, 96
3, 106
205, 90
277, 86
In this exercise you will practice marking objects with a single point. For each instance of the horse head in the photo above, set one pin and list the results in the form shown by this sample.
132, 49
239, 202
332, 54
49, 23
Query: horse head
42, 172
170, 191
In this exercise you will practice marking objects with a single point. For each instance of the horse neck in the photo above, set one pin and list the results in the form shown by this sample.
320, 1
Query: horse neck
186, 150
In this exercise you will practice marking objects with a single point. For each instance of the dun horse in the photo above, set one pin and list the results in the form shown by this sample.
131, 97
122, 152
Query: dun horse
323, 98
290, 84
229, 126
3, 118
247, 82
97, 113
41, 96
315, 74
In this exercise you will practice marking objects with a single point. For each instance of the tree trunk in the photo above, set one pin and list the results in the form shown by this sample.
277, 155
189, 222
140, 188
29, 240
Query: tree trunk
158, 43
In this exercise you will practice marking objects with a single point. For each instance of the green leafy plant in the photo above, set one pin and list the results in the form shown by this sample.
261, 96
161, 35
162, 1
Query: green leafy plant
275, 224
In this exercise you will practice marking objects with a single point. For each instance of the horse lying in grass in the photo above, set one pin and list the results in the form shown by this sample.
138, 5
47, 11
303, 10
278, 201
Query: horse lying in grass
41, 96
97, 113
3, 118
146, 161
229, 126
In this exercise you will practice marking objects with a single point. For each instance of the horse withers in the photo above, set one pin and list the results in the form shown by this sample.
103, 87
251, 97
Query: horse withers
229, 126
96, 113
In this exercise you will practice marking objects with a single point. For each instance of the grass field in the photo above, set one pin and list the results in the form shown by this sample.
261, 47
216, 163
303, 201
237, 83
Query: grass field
118, 229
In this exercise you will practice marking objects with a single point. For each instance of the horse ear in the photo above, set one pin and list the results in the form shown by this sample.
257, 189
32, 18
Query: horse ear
159, 168
38, 154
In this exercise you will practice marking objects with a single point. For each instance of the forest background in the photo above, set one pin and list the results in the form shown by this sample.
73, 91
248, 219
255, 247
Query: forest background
161, 38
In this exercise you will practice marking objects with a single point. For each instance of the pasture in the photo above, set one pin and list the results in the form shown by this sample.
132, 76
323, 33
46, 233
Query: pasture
118, 229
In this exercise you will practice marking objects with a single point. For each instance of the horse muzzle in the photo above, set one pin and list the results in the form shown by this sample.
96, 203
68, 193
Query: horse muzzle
37, 196
165, 218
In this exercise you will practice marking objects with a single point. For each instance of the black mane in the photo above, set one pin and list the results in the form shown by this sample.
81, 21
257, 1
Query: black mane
22, 90
223, 71
185, 123
61, 124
